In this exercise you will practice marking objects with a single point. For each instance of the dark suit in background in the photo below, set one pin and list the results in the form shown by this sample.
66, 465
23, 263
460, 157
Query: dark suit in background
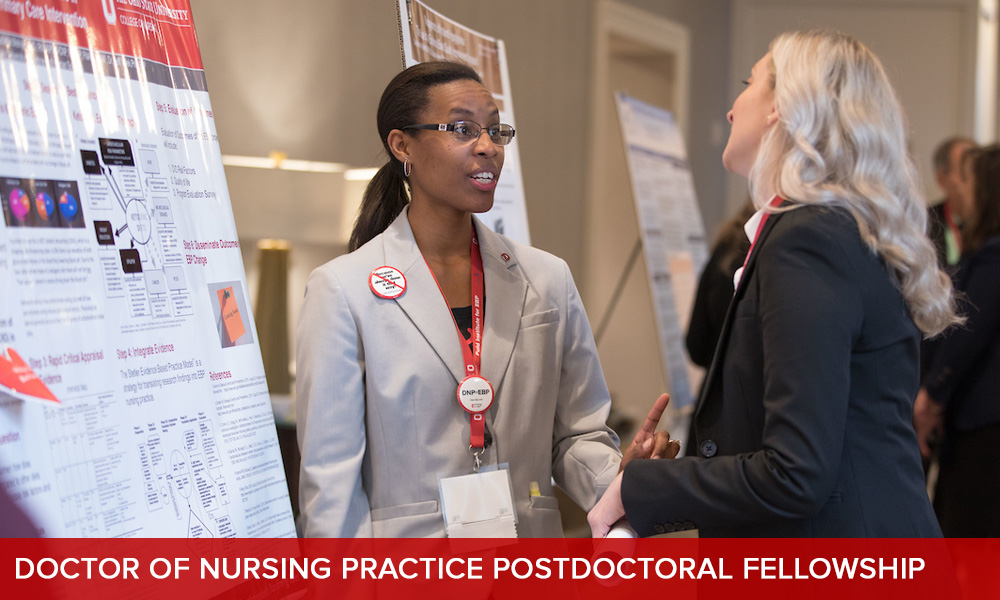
963, 376
804, 427
715, 291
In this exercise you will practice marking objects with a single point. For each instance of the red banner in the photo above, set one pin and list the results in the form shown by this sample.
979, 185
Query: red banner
680, 568
157, 30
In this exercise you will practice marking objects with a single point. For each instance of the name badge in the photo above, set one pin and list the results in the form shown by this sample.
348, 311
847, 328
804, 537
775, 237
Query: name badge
475, 394
479, 505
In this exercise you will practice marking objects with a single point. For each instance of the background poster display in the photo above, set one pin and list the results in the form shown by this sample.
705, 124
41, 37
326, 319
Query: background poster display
428, 35
132, 393
673, 237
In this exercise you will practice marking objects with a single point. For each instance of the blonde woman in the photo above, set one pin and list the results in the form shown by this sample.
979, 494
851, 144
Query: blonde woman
804, 427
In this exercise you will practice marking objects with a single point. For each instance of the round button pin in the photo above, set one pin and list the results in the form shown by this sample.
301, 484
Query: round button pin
387, 282
475, 394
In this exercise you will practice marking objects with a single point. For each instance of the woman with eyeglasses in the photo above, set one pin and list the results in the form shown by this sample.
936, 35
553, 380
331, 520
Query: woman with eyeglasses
445, 371
804, 424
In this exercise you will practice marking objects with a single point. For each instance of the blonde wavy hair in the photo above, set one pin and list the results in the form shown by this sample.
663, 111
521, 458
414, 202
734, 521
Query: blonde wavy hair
840, 141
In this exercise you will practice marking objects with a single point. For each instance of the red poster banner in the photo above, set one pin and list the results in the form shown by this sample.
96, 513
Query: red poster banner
157, 30
677, 568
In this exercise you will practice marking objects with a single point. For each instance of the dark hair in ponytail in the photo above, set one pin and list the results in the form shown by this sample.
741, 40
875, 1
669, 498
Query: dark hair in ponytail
402, 101
985, 220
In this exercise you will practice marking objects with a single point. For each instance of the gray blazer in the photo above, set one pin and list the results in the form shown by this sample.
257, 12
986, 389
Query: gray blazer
378, 420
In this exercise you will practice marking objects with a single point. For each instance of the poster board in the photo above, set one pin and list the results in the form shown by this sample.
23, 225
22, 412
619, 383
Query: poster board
133, 401
426, 35
671, 230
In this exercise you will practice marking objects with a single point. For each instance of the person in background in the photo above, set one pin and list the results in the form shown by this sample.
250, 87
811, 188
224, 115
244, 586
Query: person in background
804, 427
959, 402
437, 348
943, 225
715, 287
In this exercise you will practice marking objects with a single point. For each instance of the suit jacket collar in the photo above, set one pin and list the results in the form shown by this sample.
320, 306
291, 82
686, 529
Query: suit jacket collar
423, 303
506, 291
714, 370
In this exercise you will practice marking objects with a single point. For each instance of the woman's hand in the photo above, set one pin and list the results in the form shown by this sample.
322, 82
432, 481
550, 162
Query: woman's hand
649, 443
928, 421
608, 510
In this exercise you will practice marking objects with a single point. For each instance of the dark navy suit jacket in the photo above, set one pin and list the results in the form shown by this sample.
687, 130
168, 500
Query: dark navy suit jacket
804, 427
964, 366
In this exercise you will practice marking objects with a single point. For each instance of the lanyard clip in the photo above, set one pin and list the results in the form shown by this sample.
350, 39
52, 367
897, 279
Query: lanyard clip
476, 453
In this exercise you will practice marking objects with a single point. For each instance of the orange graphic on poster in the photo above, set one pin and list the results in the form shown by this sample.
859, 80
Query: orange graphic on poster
231, 314
17, 376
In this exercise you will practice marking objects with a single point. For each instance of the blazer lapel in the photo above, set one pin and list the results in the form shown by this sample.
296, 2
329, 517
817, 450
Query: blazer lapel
422, 301
505, 294
714, 370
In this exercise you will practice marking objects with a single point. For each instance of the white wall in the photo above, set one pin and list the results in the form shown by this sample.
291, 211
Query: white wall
304, 76
927, 47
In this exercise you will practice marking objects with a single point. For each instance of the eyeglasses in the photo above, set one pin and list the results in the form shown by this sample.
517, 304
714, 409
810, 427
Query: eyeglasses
469, 131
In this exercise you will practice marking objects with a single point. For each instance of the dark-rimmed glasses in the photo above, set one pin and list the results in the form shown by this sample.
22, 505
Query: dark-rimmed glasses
469, 131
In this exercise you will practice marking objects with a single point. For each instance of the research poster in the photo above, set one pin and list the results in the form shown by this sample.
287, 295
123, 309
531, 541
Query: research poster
133, 401
673, 236
426, 35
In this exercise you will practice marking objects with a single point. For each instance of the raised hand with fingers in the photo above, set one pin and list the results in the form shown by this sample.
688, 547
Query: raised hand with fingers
649, 443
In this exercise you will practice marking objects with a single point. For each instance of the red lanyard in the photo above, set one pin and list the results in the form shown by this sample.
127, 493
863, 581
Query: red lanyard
473, 356
774, 203
475, 393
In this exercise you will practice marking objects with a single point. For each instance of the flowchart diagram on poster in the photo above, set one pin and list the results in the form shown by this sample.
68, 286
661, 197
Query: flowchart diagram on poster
182, 475
139, 251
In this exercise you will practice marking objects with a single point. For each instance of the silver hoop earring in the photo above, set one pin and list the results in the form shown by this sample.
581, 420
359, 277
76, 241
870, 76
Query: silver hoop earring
407, 168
